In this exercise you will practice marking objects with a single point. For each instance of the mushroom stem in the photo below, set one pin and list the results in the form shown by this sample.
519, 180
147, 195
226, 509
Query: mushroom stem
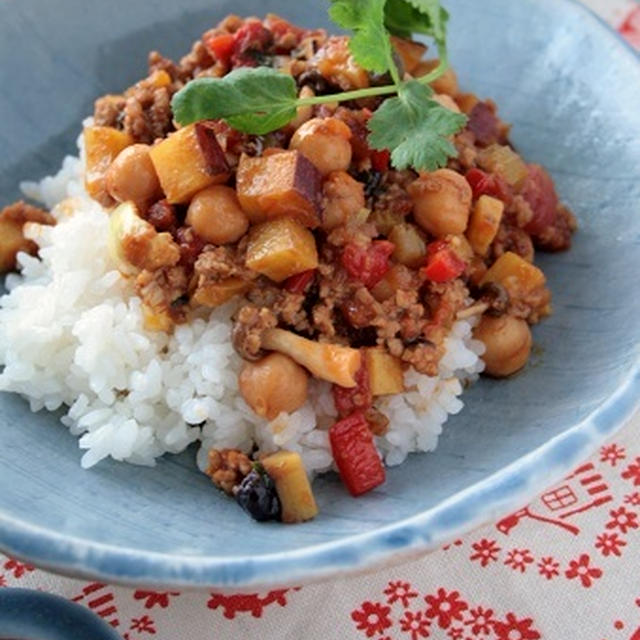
330, 362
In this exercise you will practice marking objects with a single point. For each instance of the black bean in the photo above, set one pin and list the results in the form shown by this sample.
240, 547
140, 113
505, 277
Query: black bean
257, 495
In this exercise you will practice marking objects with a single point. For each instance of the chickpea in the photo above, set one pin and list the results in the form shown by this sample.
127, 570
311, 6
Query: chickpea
343, 198
508, 342
442, 202
325, 142
446, 83
216, 216
303, 113
274, 384
132, 176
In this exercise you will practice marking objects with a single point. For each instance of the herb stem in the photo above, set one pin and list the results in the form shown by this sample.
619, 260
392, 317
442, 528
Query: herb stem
376, 91
439, 70
347, 95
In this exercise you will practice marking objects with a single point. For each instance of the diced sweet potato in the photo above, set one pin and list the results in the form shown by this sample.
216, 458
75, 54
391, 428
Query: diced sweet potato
280, 185
102, 145
214, 294
484, 223
515, 274
188, 161
281, 248
292, 485
385, 372
505, 162
410, 247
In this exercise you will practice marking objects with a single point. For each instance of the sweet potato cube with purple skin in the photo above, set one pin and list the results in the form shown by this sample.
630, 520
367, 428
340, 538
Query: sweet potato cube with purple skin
188, 161
281, 248
515, 274
292, 485
280, 185
102, 145
214, 294
386, 376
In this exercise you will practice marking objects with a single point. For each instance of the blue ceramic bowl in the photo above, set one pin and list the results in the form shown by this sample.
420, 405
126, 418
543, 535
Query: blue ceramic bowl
33, 615
572, 90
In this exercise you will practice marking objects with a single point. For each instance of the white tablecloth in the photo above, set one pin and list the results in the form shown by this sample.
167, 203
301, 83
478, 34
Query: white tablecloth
566, 567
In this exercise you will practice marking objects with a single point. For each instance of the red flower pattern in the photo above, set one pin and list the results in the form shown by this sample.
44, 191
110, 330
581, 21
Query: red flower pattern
415, 624
610, 543
143, 625
633, 499
486, 551
153, 598
582, 569
456, 633
612, 454
622, 519
548, 567
372, 618
18, 568
518, 559
3, 580
632, 472
446, 607
401, 591
480, 620
513, 629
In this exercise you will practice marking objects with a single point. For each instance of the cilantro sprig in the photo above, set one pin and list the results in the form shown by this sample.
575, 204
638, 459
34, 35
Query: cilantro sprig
410, 123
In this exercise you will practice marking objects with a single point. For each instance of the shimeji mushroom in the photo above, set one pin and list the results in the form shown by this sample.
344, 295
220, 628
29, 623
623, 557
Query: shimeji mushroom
330, 362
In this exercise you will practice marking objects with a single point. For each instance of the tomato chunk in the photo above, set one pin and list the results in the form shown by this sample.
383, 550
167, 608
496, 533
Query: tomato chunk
298, 283
348, 401
368, 264
539, 191
250, 41
380, 160
485, 184
443, 264
221, 47
355, 453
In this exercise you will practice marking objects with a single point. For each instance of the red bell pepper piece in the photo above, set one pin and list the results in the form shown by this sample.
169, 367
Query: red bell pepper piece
442, 263
358, 398
483, 183
368, 264
355, 453
298, 283
380, 159
221, 47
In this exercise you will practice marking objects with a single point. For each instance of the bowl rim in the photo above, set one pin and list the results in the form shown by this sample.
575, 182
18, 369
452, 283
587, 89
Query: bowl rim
56, 615
407, 539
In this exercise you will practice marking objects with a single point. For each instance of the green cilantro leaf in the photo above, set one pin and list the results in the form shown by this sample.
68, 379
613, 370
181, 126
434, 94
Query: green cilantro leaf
437, 16
369, 44
415, 128
406, 17
255, 101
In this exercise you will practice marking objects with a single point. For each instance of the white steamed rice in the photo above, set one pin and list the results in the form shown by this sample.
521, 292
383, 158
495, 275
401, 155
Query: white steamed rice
72, 336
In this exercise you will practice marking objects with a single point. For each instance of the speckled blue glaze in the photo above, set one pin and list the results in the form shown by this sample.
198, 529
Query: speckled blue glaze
34, 615
572, 90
